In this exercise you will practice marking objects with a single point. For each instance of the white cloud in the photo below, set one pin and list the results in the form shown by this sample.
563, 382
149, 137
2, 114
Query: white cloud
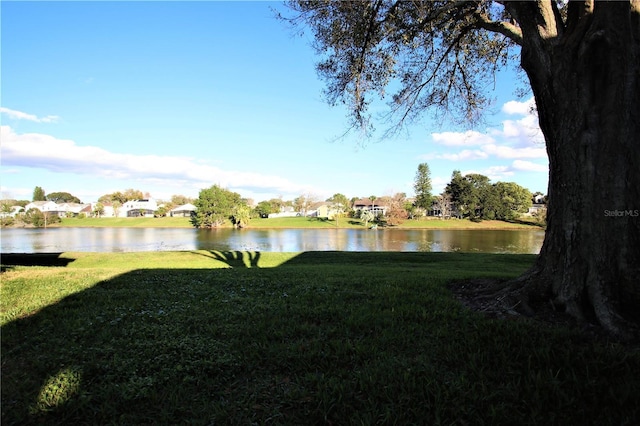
464, 155
468, 138
505, 172
528, 166
19, 115
439, 183
518, 139
494, 173
504, 151
519, 108
522, 132
65, 156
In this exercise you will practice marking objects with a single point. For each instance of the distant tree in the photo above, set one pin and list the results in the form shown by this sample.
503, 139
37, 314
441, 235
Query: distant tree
511, 200
276, 204
240, 215
468, 193
300, 204
457, 189
444, 205
113, 197
264, 209
373, 199
352, 202
63, 197
116, 207
38, 194
133, 194
411, 209
34, 217
39, 219
396, 213
119, 197
422, 187
21, 203
480, 186
213, 206
5, 206
304, 202
179, 200
161, 211
367, 216
340, 200
98, 209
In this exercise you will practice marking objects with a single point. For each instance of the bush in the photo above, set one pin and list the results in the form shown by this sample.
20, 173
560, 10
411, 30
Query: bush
7, 221
36, 218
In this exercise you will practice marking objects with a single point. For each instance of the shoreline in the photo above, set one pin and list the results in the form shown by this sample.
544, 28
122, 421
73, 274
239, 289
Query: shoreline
506, 227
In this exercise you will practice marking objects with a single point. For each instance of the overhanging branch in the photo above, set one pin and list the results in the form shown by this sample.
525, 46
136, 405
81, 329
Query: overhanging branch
507, 29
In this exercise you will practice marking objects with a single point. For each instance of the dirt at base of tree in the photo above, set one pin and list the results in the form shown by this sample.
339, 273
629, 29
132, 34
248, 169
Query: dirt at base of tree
491, 297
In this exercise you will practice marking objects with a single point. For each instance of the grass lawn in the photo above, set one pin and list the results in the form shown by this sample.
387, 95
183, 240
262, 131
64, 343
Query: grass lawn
290, 338
292, 222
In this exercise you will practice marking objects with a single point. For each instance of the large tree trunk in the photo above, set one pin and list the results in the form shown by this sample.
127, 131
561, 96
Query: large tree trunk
586, 83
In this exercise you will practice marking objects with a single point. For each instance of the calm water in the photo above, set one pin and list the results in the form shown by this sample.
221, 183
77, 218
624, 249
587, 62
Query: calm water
279, 240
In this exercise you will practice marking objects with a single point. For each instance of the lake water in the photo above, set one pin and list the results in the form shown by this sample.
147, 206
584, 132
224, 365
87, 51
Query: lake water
18, 240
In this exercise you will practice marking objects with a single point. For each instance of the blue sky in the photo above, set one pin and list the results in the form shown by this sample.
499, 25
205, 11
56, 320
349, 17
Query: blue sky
173, 97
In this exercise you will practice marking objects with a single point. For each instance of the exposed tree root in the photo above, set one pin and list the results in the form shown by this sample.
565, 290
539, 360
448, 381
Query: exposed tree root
508, 300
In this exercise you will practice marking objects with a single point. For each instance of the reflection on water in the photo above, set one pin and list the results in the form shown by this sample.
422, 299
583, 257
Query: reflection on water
277, 240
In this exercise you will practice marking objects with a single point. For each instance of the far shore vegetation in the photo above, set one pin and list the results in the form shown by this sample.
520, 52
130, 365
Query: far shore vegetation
210, 337
295, 222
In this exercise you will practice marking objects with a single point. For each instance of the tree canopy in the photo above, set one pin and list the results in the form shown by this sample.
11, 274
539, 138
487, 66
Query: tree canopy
339, 199
422, 186
214, 206
39, 194
432, 51
63, 197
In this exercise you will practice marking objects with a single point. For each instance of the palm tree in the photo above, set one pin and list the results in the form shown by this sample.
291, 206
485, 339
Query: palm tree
373, 206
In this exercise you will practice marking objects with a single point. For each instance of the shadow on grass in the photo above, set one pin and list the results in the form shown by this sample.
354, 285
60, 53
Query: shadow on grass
236, 258
10, 260
328, 337
527, 222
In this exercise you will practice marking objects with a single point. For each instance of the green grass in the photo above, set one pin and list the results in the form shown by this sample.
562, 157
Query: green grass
126, 222
290, 222
290, 338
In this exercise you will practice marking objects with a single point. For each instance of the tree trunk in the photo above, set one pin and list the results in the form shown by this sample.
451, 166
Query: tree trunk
586, 83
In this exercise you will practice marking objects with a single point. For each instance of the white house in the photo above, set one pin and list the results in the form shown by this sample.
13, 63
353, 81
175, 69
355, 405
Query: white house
137, 208
185, 210
328, 210
43, 206
366, 204
535, 209
73, 209
285, 211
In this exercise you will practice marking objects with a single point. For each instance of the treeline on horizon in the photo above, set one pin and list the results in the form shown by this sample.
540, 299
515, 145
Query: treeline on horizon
471, 196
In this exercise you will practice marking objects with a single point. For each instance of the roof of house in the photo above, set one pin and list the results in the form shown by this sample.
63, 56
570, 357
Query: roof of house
184, 207
366, 202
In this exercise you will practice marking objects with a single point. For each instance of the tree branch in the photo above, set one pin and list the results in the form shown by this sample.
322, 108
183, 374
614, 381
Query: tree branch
507, 29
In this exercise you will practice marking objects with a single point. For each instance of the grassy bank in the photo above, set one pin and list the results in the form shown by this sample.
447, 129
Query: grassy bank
291, 222
289, 338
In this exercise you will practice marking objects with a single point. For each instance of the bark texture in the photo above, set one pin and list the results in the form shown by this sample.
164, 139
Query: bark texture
585, 78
